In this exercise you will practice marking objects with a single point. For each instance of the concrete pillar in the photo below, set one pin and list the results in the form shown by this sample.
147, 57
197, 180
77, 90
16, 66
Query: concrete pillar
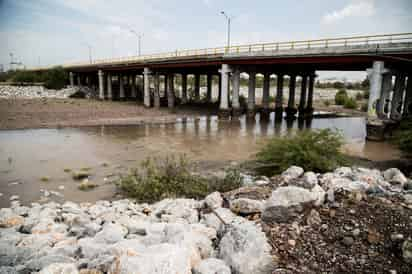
397, 98
109, 86
279, 94
383, 106
209, 88
236, 88
79, 80
224, 104
376, 79
309, 107
291, 110
170, 91
219, 87
156, 90
407, 107
251, 91
71, 75
266, 90
121, 87
184, 88
197, 87
302, 103
133, 87
146, 73
101, 84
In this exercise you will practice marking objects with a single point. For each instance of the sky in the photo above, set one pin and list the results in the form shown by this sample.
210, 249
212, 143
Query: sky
51, 32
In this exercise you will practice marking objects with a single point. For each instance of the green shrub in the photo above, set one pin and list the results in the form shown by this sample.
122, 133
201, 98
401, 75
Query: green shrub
403, 137
359, 96
55, 78
340, 97
317, 150
350, 103
158, 178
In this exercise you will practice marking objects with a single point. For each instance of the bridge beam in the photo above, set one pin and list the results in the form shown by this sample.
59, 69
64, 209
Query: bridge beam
224, 102
109, 86
209, 88
291, 109
302, 102
146, 83
170, 91
397, 98
156, 94
279, 97
407, 107
184, 88
71, 75
101, 84
197, 87
251, 93
236, 89
266, 91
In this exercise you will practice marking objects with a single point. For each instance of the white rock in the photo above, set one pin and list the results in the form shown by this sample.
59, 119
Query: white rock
245, 248
343, 171
286, 202
211, 266
214, 200
395, 176
211, 220
60, 268
111, 233
309, 180
14, 197
246, 206
292, 172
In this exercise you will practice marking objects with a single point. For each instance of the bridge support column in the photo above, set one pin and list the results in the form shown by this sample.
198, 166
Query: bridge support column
236, 88
309, 107
109, 86
121, 87
224, 103
219, 87
101, 84
209, 88
146, 73
156, 95
291, 109
302, 102
197, 88
71, 75
184, 88
397, 98
79, 81
279, 97
266, 92
170, 91
251, 94
380, 86
407, 107
133, 87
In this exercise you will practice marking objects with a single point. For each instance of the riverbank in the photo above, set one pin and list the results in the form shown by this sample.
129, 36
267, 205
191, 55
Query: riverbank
350, 220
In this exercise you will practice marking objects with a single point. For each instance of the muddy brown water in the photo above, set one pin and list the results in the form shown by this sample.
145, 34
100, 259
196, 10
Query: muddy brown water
28, 155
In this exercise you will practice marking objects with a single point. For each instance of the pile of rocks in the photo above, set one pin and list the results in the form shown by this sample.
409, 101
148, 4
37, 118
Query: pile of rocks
30, 92
297, 222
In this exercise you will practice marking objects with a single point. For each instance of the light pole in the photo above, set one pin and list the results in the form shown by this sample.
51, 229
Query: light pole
139, 40
90, 52
228, 18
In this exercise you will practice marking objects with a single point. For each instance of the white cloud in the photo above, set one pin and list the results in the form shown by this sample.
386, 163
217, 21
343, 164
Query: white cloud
363, 8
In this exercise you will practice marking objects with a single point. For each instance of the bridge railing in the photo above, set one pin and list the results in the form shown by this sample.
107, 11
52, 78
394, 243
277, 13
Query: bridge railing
260, 47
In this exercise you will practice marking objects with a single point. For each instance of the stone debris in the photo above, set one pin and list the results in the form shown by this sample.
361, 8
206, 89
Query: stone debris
31, 92
351, 220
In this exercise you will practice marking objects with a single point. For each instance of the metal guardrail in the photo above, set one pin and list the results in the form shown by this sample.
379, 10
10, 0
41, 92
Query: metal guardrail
260, 47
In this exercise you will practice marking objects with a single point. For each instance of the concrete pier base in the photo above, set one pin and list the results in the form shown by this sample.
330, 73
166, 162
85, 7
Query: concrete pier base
291, 112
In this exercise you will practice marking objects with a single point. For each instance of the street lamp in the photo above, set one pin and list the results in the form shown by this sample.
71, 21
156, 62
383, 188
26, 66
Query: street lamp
139, 38
228, 18
90, 52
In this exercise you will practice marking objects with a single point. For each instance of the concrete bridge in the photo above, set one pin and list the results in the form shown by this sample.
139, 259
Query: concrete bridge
387, 58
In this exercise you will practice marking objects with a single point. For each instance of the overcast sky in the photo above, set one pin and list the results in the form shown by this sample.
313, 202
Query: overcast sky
58, 31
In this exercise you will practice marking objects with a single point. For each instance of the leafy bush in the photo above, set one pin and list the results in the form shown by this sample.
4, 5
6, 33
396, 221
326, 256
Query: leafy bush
403, 137
350, 103
157, 179
316, 150
55, 78
340, 97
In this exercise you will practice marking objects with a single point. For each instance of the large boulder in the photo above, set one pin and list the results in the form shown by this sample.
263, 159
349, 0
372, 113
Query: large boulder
111, 233
286, 202
214, 219
157, 259
211, 266
395, 176
292, 173
60, 268
245, 249
246, 206
214, 200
